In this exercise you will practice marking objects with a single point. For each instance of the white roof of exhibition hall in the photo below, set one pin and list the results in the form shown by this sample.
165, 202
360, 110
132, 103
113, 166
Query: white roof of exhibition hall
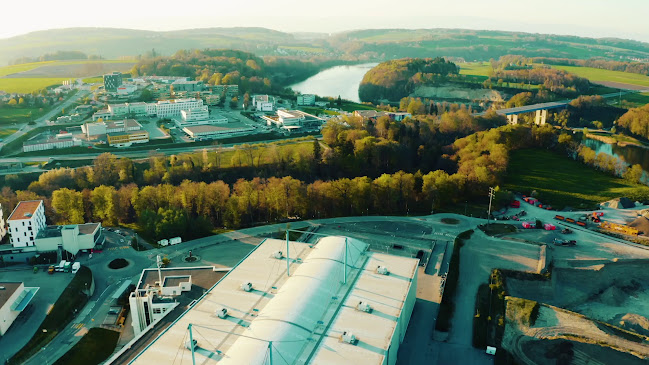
299, 317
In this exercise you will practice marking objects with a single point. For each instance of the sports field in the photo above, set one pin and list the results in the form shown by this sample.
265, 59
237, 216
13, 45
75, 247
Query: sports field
561, 181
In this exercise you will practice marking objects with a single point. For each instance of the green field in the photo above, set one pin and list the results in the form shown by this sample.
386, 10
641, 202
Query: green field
8, 70
475, 68
562, 182
19, 115
596, 74
27, 85
93, 80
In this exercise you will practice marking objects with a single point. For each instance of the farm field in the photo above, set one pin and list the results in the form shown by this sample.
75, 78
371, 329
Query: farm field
562, 182
599, 75
8, 70
28, 84
475, 68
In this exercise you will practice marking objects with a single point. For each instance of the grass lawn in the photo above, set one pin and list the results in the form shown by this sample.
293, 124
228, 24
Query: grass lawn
4, 133
93, 80
27, 85
19, 115
95, 346
316, 111
475, 68
72, 298
562, 182
596, 74
350, 107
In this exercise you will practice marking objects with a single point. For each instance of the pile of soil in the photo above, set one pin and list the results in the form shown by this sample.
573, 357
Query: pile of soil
641, 224
635, 323
619, 203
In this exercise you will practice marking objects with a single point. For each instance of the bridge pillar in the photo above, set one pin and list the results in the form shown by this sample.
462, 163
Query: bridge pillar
512, 118
541, 116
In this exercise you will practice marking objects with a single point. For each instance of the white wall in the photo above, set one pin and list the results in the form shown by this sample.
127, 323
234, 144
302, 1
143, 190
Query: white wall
7, 316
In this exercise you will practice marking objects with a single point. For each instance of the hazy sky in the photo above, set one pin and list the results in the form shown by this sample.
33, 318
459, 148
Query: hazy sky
595, 18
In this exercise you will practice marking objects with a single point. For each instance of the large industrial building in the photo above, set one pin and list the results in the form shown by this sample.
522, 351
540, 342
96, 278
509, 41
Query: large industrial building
161, 109
71, 238
333, 302
218, 131
14, 297
293, 119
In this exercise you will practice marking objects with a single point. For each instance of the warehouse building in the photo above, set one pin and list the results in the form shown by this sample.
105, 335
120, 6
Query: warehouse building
14, 298
198, 132
333, 302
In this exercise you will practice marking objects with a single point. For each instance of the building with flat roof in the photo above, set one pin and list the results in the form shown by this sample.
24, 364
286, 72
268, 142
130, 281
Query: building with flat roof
209, 131
49, 142
229, 90
25, 221
306, 100
185, 85
292, 119
333, 302
14, 298
263, 103
113, 81
71, 238
127, 138
375, 114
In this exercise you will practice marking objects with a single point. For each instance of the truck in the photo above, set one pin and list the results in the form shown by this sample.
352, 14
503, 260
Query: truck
75, 267
175, 240
67, 267
61, 266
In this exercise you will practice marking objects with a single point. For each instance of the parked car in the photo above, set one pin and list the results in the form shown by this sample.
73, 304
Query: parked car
566, 231
560, 242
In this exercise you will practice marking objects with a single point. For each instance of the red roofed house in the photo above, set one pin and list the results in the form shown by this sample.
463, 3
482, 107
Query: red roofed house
25, 221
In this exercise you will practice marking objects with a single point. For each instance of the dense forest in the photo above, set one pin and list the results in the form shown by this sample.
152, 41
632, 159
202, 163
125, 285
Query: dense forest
219, 66
636, 121
424, 163
395, 79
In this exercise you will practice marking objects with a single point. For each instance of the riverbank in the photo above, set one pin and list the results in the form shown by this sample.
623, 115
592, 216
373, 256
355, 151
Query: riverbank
619, 139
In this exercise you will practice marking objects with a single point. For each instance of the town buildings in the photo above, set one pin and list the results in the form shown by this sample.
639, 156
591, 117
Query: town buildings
49, 142
263, 103
25, 221
332, 302
306, 100
14, 298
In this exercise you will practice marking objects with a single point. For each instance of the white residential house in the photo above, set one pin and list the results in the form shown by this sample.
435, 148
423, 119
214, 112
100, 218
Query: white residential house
27, 219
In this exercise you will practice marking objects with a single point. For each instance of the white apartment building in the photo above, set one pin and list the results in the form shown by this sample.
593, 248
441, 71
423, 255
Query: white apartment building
306, 99
263, 103
172, 108
3, 230
27, 219
198, 116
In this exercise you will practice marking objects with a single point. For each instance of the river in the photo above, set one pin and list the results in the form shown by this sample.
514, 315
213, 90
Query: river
631, 154
337, 81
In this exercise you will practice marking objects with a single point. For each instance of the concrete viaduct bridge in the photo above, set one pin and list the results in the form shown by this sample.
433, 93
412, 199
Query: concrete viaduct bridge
541, 109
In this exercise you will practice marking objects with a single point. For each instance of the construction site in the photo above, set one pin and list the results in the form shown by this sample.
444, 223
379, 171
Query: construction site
589, 301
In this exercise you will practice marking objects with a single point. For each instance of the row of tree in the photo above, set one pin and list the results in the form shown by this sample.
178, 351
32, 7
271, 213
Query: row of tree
636, 121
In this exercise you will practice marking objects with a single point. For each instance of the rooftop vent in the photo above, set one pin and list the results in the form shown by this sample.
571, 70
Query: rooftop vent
278, 255
246, 286
191, 344
349, 338
222, 313
364, 307
28, 215
382, 270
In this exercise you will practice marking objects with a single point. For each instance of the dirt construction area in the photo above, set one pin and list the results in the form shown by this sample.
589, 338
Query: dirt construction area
594, 306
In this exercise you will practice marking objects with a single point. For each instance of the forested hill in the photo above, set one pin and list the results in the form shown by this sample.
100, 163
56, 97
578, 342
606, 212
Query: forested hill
396, 79
361, 45
226, 66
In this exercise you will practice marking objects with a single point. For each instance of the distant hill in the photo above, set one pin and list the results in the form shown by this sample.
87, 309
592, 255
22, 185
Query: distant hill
362, 45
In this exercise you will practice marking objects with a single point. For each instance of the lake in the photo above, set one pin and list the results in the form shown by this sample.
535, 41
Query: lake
335, 81
631, 154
